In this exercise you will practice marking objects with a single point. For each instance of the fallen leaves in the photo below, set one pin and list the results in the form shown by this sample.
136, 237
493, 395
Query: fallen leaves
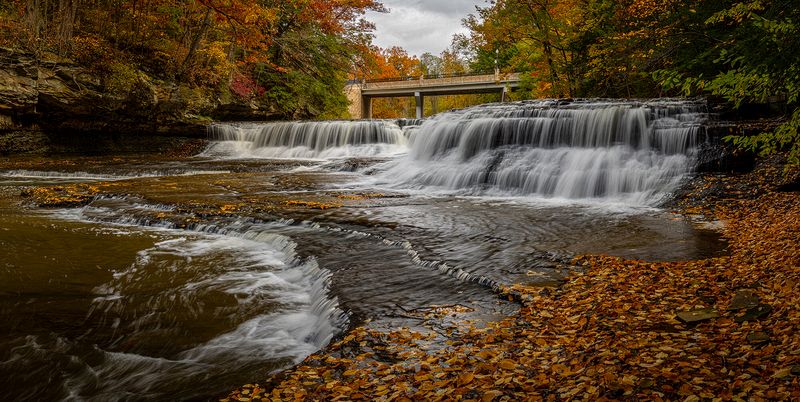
360, 196
72, 195
610, 332
312, 204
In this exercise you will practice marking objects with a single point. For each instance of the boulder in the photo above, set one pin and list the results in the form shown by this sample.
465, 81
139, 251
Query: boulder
754, 313
744, 299
18, 82
696, 316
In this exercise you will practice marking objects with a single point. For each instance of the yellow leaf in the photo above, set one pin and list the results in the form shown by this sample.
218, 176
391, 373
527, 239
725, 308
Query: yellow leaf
490, 395
465, 378
507, 364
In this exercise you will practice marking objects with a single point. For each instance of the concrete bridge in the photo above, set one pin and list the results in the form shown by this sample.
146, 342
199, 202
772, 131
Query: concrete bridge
360, 94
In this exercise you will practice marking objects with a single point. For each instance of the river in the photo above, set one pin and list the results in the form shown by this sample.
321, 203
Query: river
181, 278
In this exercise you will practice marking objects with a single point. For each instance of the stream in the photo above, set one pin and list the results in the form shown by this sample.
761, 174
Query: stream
185, 277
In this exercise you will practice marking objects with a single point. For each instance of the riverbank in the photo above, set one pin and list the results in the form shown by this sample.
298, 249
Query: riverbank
721, 327
51, 104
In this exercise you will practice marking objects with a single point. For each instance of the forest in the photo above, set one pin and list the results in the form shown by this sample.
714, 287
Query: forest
296, 55
189, 212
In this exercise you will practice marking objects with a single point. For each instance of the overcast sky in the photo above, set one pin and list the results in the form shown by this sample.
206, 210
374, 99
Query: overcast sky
421, 26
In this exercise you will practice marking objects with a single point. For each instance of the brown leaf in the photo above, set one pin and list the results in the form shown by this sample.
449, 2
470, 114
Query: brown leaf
491, 395
465, 378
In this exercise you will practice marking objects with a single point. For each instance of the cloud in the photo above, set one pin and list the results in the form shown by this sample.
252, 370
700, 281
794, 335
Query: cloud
421, 26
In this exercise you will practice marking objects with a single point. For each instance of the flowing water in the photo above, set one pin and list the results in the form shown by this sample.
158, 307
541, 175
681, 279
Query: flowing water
188, 277
327, 139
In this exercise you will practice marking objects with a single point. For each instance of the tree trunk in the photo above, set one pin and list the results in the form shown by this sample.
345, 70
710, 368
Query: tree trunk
548, 54
67, 12
194, 45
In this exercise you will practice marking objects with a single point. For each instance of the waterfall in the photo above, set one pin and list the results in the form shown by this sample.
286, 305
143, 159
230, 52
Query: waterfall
630, 151
307, 140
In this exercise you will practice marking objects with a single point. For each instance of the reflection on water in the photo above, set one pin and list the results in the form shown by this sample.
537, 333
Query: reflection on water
112, 301
184, 278
121, 311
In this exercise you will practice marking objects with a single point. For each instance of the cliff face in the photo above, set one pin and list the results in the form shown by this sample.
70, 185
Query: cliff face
19, 79
48, 100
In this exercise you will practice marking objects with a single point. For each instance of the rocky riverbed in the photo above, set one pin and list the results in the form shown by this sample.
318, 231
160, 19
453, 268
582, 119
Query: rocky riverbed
714, 328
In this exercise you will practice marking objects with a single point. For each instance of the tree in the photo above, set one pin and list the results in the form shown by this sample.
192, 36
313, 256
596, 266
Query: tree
292, 53
753, 59
430, 64
532, 36
393, 62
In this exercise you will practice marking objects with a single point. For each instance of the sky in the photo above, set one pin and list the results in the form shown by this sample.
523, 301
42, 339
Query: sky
421, 26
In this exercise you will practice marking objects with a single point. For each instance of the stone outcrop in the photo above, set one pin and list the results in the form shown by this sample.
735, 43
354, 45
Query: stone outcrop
18, 84
48, 99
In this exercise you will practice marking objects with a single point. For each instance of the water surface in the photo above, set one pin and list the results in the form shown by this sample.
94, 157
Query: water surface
186, 277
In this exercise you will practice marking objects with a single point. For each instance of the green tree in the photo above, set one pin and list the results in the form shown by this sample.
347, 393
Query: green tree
294, 54
754, 60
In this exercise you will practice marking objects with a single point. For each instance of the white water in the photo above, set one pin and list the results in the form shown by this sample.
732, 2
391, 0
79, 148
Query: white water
284, 309
306, 140
629, 152
86, 176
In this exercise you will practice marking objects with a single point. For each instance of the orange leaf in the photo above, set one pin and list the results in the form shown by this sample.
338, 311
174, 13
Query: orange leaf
466, 378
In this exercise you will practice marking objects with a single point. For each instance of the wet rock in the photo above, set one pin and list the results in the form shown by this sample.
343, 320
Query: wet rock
62, 99
718, 156
757, 312
18, 76
696, 316
758, 338
744, 299
142, 96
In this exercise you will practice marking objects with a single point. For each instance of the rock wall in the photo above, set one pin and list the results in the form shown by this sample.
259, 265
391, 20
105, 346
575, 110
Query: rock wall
47, 101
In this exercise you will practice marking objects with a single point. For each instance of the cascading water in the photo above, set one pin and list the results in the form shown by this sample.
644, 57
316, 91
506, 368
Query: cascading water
193, 305
629, 151
309, 140
192, 284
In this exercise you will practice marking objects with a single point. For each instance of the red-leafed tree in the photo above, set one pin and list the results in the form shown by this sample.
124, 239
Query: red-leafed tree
292, 53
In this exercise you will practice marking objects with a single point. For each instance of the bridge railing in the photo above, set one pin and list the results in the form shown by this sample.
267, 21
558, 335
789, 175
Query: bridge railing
425, 81
429, 76
454, 75
391, 79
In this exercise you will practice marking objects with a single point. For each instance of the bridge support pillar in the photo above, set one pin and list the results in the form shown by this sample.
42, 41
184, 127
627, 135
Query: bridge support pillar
366, 107
420, 100
504, 94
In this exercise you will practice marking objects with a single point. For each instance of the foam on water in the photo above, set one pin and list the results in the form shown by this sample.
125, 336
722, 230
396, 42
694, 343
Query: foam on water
629, 152
306, 140
86, 176
632, 152
284, 312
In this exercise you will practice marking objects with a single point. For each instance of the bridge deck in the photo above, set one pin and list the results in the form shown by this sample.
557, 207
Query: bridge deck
441, 86
361, 94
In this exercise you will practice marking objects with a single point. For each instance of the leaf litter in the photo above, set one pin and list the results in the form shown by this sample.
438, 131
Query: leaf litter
612, 331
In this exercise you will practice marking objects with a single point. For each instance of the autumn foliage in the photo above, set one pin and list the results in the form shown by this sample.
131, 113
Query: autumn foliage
613, 331
277, 51
737, 51
396, 63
